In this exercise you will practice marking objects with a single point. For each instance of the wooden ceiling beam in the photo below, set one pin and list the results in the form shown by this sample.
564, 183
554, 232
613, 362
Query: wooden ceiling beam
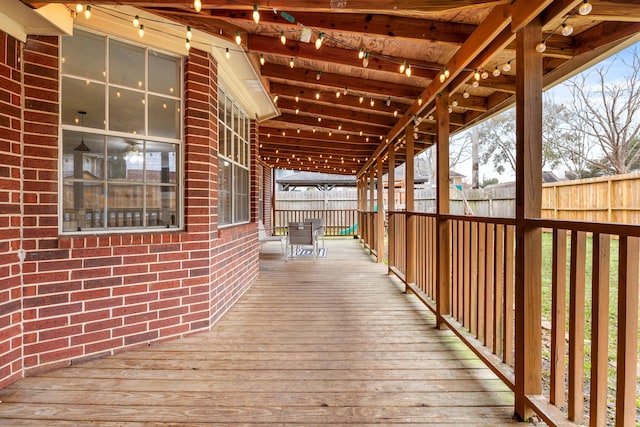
333, 112
336, 55
603, 34
352, 101
328, 125
340, 81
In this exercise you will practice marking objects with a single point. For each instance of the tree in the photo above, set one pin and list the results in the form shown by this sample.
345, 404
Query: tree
607, 112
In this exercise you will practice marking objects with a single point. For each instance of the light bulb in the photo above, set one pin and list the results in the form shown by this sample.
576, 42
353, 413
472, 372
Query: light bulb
447, 74
319, 40
340, 126
585, 8
475, 83
388, 103
319, 119
297, 98
372, 102
476, 75
541, 47
227, 53
365, 60
345, 90
408, 71
297, 110
442, 77
87, 12
141, 30
361, 99
450, 110
283, 39
337, 94
484, 75
261, 59
189, 33
197, 5
187, 44
317, 95
395, 113
79, 8
496, 72
361, 53
256, 14
465, 94
291, 63
318, 75
403, 66
419, 101
136, 21
238, 38
506, 67
567, 29
454, 103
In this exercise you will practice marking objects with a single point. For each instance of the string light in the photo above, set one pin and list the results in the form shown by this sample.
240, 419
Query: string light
372, 102
442, 77
419, 101
141, 30
446, 72
317, 95
262, 59
256, 14
297, 98
476, 75
388, 103
318, 75
408, 71
136, 21
291, 63
403, 66
506, 67
361, 53
338, 94
361, 99
189, 33
238, 38
283, 39
465, 94
475, 83
365, 60
319, 40
345, 90
395, 113
454, 103
228, 55
484, 75
87, 12
197, 5
567, 29
187, 44
541, 47
79, 8
496, 72
585, 8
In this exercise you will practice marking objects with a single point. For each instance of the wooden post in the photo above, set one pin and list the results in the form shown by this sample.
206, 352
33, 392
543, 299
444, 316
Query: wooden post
528, 297
443, 256
410, 274
372, 204
380, 215
391, 201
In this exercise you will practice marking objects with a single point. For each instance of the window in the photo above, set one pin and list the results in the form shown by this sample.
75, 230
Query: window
233, 162
121, 135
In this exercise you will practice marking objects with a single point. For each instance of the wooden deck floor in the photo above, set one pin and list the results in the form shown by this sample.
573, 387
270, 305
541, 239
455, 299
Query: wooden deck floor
331, 341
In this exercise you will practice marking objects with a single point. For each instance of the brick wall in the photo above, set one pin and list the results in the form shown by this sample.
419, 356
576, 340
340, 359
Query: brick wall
10, 230
93, 295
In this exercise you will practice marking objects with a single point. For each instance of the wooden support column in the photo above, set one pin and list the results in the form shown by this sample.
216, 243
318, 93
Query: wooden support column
410, 274
443, 256
391, 201
380, 216
359, 205
372, 204
528, 260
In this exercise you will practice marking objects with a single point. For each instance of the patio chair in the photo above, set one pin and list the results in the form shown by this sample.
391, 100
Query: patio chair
301, 234
264, 237
318, 227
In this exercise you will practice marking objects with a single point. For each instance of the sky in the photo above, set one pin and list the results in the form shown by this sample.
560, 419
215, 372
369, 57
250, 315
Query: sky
559, 94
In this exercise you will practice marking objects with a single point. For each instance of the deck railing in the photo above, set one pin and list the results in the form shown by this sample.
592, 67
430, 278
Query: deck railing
337, 222
482, 314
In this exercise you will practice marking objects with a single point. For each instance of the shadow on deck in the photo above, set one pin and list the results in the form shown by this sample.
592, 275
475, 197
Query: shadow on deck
330, 341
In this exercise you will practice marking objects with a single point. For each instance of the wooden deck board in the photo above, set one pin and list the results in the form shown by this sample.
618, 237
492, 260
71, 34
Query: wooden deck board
330, 341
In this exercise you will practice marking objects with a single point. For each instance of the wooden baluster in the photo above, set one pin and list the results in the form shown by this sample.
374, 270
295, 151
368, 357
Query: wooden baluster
509, 260
498, 290
489, 287
558, 316
576, 325
482, 268
473, 278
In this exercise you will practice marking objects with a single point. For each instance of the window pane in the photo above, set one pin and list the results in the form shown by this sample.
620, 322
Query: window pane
241, 194
161, 164
82, 95
126, 110
126, 64
222, 148
164, 117
83, 55
83, 205
126, 159
83, 156
161, 206
125, 205
164, 74
224, 192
